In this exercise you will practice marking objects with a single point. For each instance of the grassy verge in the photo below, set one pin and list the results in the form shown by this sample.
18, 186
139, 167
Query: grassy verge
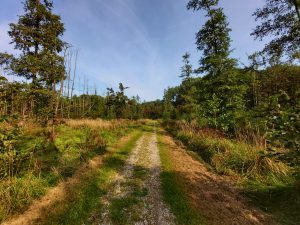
41, 164
267, 181
82, 200
173, 192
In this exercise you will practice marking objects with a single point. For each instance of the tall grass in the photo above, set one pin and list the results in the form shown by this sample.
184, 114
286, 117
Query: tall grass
267, 181
231, 156
49, 162
98, 124
17, 192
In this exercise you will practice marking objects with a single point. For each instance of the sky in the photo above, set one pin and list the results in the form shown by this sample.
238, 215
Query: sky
137, 42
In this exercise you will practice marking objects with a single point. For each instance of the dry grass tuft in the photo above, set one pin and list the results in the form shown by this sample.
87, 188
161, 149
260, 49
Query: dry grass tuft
97, 124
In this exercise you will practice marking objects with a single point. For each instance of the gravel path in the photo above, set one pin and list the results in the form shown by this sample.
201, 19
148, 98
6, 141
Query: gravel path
140, 174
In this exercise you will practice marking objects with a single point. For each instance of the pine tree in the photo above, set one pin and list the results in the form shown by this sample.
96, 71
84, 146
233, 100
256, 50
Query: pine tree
213, 39
37, 34
186, 69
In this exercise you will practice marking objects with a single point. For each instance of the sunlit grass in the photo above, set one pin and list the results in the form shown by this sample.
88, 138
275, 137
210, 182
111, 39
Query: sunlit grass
48, 163
173, 191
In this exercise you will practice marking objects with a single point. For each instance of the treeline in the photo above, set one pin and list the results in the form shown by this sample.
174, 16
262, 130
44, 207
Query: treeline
261, 99
15, 96
46, 66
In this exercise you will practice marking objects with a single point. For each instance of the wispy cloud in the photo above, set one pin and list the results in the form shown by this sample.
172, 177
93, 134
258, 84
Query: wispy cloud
137, 42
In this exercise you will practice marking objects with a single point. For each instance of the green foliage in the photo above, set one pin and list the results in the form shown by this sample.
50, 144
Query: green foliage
213, 39
12, 160
187, 69
37, 35
279, 19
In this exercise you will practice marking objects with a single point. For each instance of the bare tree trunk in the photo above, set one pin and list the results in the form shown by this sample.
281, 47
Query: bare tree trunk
74, 73
73, 81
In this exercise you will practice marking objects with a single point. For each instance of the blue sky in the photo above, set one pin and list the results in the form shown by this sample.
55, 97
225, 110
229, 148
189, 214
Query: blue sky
137, 42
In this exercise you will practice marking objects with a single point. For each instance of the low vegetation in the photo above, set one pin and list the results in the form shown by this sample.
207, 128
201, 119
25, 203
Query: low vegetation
31, 163
262, 176
242, 121
83, 202
227, 156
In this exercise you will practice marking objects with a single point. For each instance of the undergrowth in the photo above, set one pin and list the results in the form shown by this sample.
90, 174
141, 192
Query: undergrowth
233, 157
45, 163
268, 182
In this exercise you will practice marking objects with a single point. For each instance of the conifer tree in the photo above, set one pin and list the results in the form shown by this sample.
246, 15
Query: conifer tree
213, 38
186, 69
37, 34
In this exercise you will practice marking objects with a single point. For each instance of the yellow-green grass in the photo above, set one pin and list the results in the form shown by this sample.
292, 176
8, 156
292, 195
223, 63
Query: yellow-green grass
47, 163
173, 192
83, 203
267, 181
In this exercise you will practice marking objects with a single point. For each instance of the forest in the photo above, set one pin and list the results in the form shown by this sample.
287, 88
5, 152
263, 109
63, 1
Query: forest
226, 140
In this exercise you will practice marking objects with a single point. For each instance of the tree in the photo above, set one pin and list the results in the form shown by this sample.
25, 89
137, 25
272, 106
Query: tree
280, 19
37, 34
213, 39
186, 69
121, 101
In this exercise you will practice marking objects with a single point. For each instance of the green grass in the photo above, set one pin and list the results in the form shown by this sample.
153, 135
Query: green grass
48, 163
281, 201
119, 215
16, 193
268, 182
231, 157
85, 198
173, 191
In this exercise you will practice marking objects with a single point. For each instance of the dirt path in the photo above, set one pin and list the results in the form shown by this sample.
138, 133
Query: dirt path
213, 196
135, 197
